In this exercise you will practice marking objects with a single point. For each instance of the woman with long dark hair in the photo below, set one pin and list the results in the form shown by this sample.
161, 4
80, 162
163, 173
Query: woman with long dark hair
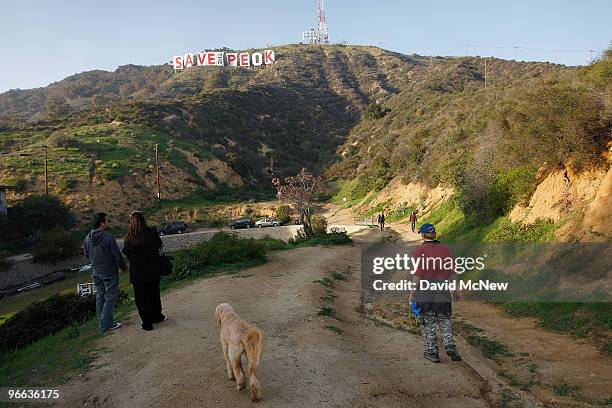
141, 246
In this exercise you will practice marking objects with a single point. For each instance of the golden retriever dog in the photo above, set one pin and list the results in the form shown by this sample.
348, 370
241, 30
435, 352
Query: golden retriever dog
237, 337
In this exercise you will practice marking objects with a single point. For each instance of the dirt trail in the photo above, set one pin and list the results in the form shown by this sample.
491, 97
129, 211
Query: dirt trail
179, 364
541, 360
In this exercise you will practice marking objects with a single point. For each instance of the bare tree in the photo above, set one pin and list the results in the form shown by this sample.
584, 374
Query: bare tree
299, 191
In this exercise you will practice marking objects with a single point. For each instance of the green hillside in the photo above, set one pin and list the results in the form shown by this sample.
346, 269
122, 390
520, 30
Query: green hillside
487, 143
369, 113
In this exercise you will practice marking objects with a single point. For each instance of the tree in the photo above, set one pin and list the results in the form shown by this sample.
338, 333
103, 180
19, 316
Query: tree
300, 191
57, 105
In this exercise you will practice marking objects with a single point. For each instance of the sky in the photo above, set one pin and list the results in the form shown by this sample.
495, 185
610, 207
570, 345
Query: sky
45, 41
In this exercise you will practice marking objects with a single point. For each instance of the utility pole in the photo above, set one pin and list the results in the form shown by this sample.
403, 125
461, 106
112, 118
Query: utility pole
46, 171
485, 73
467, 50
591, 56
157, 174
516, 53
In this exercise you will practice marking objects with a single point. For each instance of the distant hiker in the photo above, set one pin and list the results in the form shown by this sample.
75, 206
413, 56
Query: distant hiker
413, 219
381, 221
141, 246
435, 305
105, 257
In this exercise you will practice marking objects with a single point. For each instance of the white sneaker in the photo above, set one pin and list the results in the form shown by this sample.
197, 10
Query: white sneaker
115, 326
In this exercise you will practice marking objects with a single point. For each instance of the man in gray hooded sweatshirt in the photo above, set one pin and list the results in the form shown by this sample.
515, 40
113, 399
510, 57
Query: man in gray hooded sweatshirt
105, 257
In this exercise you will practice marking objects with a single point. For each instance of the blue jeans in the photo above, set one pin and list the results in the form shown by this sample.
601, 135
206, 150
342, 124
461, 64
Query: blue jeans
107, 291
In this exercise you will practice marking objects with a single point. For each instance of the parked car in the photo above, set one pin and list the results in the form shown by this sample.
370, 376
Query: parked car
268, 222
246, 222
173, 228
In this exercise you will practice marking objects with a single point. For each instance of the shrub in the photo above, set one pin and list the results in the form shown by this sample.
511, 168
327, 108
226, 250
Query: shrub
44, 318
36, 213
222, 249
56, 245
60, 139
282, 213
319, 225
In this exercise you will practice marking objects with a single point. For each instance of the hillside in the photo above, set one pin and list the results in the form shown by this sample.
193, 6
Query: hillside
488, 148
376, 114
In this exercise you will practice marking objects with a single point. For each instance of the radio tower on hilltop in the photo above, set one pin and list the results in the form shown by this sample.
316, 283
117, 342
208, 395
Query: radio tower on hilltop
323, 32
320, 35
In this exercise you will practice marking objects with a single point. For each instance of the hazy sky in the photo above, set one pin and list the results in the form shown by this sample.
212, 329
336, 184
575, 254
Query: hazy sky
45, 41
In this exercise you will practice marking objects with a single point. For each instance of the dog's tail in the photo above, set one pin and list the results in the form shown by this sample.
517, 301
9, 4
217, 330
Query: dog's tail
253, 346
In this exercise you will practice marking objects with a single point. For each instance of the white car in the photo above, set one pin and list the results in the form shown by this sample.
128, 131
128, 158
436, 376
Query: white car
268, 222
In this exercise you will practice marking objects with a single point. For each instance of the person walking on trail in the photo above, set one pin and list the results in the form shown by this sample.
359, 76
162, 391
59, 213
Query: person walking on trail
381, 221
413, 219
435, 305
105, 257
142, 245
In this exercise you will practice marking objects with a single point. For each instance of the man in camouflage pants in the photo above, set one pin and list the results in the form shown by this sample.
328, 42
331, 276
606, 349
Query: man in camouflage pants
435, 305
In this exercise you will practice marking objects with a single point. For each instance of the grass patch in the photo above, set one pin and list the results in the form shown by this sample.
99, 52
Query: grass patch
338, 276
326, 311
328, 283
329, 296
490, 348
575, 318
563, 390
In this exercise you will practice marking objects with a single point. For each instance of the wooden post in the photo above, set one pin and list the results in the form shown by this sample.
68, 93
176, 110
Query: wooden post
157, 174
46, 171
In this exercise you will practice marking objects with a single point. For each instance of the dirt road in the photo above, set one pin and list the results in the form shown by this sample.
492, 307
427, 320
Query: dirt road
305, 363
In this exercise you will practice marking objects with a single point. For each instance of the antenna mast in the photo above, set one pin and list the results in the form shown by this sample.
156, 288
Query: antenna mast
323, 32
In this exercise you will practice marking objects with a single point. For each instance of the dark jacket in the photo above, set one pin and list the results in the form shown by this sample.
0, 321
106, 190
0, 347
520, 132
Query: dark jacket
101, 248
144, 259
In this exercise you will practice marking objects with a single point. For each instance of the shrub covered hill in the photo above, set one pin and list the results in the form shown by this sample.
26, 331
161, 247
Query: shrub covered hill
371, 114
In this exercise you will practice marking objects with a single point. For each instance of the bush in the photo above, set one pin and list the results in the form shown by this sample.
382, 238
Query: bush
56, 245
222, 249
36, 213
44, 318
319, 225
61, 139
282, 213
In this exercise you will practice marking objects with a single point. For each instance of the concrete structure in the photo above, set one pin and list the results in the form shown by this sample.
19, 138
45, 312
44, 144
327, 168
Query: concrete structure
3, 201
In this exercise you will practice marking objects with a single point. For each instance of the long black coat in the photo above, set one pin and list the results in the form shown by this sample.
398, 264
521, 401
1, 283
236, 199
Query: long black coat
145, 266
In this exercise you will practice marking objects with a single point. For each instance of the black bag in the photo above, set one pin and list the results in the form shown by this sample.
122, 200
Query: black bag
165, 262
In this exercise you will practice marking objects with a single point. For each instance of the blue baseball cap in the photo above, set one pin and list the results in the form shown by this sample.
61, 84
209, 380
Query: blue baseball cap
426, 228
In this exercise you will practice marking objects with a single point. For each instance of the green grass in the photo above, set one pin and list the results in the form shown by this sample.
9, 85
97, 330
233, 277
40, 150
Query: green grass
338, 276
492, 349
328, 283
452, 225
575, 318
326, 311
563, 390
400, 213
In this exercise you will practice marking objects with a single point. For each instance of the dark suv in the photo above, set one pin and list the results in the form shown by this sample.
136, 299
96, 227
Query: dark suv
246, 222
174, 228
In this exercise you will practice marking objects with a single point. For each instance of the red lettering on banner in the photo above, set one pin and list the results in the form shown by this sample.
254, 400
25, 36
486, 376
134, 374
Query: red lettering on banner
217, 58
178, 62
188, 60
201, 58
244, 60
232, 59
269, 57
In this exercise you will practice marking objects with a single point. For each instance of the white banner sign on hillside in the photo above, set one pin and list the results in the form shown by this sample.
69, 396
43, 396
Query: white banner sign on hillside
221, 59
